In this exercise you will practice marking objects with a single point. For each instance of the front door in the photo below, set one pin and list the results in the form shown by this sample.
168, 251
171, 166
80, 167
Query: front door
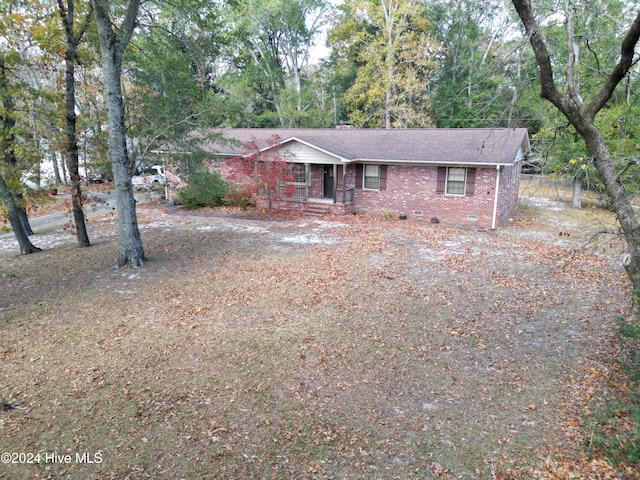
327, 191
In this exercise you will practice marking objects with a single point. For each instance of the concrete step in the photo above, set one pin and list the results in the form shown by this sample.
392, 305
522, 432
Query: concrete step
316, 209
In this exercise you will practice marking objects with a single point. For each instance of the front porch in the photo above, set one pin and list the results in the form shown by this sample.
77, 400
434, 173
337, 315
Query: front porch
301, 193
320, 188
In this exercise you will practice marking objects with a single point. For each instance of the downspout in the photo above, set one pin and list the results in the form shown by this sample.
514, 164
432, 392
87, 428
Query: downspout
495, 199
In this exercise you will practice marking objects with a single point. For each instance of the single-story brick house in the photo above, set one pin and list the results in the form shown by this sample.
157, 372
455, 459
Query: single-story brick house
463, 177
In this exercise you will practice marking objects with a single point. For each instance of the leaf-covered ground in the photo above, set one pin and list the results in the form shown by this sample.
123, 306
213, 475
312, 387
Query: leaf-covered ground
254, 346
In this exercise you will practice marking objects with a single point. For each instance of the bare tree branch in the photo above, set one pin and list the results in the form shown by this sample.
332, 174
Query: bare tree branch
543, 58
627, 51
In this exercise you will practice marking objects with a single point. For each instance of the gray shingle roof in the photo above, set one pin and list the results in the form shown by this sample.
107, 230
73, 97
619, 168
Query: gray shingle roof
433, 145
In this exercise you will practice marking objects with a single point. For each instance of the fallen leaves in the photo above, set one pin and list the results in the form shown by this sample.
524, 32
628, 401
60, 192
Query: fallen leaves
397, 350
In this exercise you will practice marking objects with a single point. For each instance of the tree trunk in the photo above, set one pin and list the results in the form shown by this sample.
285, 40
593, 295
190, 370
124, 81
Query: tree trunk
389, 11
56, 169
621, 203
583, 119
576, 199
64, 172
8, 139
26, 247
78, 213
22, 215
71, 150
131, 249
112, 47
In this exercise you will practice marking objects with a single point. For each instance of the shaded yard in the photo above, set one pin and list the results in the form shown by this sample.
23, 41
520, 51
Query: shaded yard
341, 347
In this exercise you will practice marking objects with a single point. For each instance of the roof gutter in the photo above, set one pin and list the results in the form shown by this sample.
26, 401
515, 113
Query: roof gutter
495, 199
430, 162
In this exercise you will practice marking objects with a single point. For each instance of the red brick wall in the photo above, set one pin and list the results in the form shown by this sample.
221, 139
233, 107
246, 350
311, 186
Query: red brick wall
411, 190
509, 192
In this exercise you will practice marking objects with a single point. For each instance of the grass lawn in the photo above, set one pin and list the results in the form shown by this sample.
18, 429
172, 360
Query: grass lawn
258, 347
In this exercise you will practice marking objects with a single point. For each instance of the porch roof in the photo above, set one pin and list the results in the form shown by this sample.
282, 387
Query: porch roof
498, 146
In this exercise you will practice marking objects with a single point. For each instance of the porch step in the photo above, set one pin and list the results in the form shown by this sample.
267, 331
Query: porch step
316, 209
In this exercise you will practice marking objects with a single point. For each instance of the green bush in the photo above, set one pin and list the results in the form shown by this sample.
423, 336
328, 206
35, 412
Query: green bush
238, 199
206, 189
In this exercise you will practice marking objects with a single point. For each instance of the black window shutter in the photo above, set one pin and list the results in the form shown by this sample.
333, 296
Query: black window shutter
383, 177
442, 179
359, 175
471, 182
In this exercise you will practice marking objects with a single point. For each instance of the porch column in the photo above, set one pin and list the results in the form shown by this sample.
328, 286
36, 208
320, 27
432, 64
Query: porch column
307, 180
344, 183
335, 182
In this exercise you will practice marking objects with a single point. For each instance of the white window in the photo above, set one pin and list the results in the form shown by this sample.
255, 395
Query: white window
371, 179
456, 179
300, 172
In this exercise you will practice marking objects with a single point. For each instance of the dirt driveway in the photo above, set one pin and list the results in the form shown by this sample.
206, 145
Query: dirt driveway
334, 347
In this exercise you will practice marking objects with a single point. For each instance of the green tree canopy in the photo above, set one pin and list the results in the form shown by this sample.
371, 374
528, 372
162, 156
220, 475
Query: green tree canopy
395, 57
